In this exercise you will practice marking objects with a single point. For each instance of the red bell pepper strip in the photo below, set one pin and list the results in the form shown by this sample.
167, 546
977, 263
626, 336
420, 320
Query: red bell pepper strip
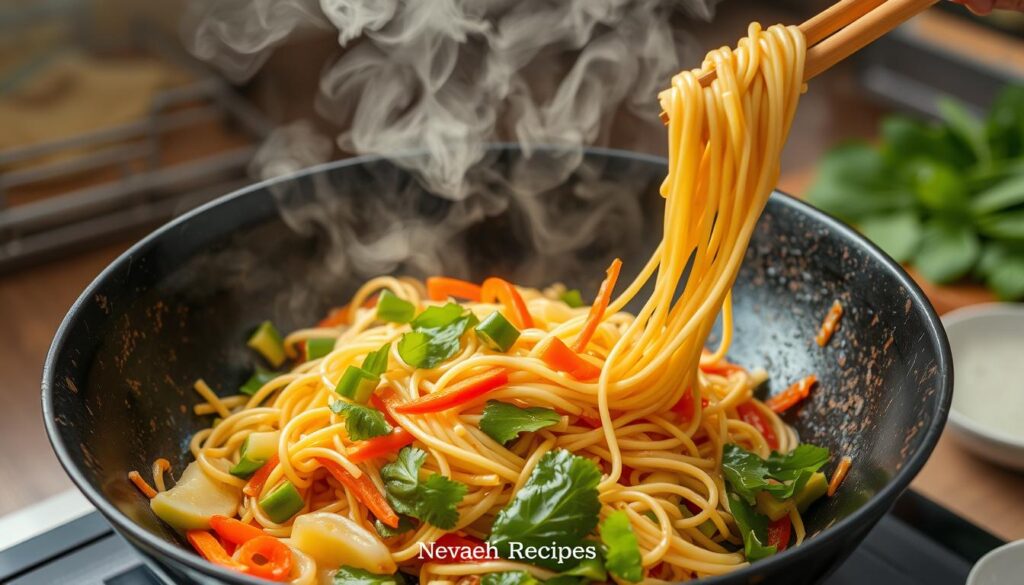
234, 531
440, 288
266, 557
364, 490
752, 416
791, 396
778, 534
497, 289
558, 355
684, 408
458, 393
461, 549
255, 485
380, 446
604, 296
208, 547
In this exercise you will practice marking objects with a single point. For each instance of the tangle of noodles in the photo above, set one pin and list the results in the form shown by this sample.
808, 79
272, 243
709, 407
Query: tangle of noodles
724, 147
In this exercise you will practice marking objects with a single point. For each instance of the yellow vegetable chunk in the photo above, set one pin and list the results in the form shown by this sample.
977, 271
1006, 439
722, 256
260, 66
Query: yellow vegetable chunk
334, 540
196, 497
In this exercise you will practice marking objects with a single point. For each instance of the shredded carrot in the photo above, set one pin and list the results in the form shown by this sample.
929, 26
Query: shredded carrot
840, 474
793, 395
440, 288
559, 357
604, 296
144, 487
256, 482
829, 325
336, 317
212, 550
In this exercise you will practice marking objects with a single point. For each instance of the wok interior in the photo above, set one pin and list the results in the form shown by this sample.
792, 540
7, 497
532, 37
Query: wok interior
181, 307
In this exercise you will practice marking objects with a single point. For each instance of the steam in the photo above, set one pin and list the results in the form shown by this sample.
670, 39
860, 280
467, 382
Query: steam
445, 78
449, 76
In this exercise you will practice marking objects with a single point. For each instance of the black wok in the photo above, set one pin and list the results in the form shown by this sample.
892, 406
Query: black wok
178, 305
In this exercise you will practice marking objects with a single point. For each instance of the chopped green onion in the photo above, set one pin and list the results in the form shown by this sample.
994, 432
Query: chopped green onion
376, 362
318, 348
572, 298
497, 332
707, 527
256, 449
393, 309
282, 503
357, 384
267, 341
257, 380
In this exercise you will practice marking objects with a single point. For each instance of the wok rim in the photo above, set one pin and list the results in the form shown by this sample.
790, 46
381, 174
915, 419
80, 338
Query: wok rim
869, 512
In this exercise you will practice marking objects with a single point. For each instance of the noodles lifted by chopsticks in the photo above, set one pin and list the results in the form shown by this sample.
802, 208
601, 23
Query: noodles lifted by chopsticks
425, 419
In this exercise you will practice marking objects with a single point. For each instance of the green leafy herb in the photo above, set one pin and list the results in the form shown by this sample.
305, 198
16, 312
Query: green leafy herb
352, 576
557, 504
622, 553
509, 578
385, 531
503, 421
748, 474
362, 422
433, 501
945, 197
573, 298
753, 527
436, 335
393, 309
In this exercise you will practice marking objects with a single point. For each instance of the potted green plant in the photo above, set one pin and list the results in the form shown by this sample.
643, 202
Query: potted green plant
945, 198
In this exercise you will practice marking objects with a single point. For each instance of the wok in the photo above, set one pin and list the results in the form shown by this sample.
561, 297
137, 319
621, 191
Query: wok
178, 305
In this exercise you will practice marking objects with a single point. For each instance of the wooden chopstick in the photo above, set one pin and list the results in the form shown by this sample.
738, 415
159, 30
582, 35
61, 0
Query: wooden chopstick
843, 29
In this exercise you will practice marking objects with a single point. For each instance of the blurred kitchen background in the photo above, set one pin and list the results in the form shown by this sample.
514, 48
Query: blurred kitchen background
117, 115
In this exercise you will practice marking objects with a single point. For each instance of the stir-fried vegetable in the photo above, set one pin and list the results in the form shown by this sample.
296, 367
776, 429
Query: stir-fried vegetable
266, 340
622, 553
333, 540
792, 395
497, 289
433, 501
282, 502
380, 446
266, 557
503, 421
457, 394
496, 332
393, 309
440, 288
560, 358
194, 499
364, 490
361, 422
596, 315
436, 335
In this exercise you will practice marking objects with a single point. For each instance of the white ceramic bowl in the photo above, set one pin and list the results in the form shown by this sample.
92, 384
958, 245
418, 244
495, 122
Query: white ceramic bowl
999, 567
983, 338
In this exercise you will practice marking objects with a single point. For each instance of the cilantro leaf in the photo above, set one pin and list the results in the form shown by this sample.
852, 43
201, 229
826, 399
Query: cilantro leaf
503, 421
439, 499
434, 501
557, 504
588, 569
509, 578
352, 576
436, 335
622, 552
753, 527
385, 531
748, 474
361, 422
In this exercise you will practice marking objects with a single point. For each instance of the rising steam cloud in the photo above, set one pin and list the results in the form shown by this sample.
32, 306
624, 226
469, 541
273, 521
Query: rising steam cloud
445, 78
449, 76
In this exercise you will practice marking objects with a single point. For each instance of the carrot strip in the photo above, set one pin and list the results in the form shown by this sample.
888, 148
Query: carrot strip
458, 393
364, 490
255, 485
337, 317
266, 557
793, 395
840, 474
440, 288
144, 487
559, 357
495, 288
604, 296
380, 446
232, 530
829, 325
208, 547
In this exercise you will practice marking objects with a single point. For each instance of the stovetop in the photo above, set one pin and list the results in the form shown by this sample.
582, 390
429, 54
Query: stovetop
917, 543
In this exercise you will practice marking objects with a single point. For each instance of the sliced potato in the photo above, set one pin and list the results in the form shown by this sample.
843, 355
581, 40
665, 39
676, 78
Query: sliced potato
190, 503
334, 540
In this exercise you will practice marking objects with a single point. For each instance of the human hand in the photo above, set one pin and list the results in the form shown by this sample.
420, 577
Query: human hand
983, 7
